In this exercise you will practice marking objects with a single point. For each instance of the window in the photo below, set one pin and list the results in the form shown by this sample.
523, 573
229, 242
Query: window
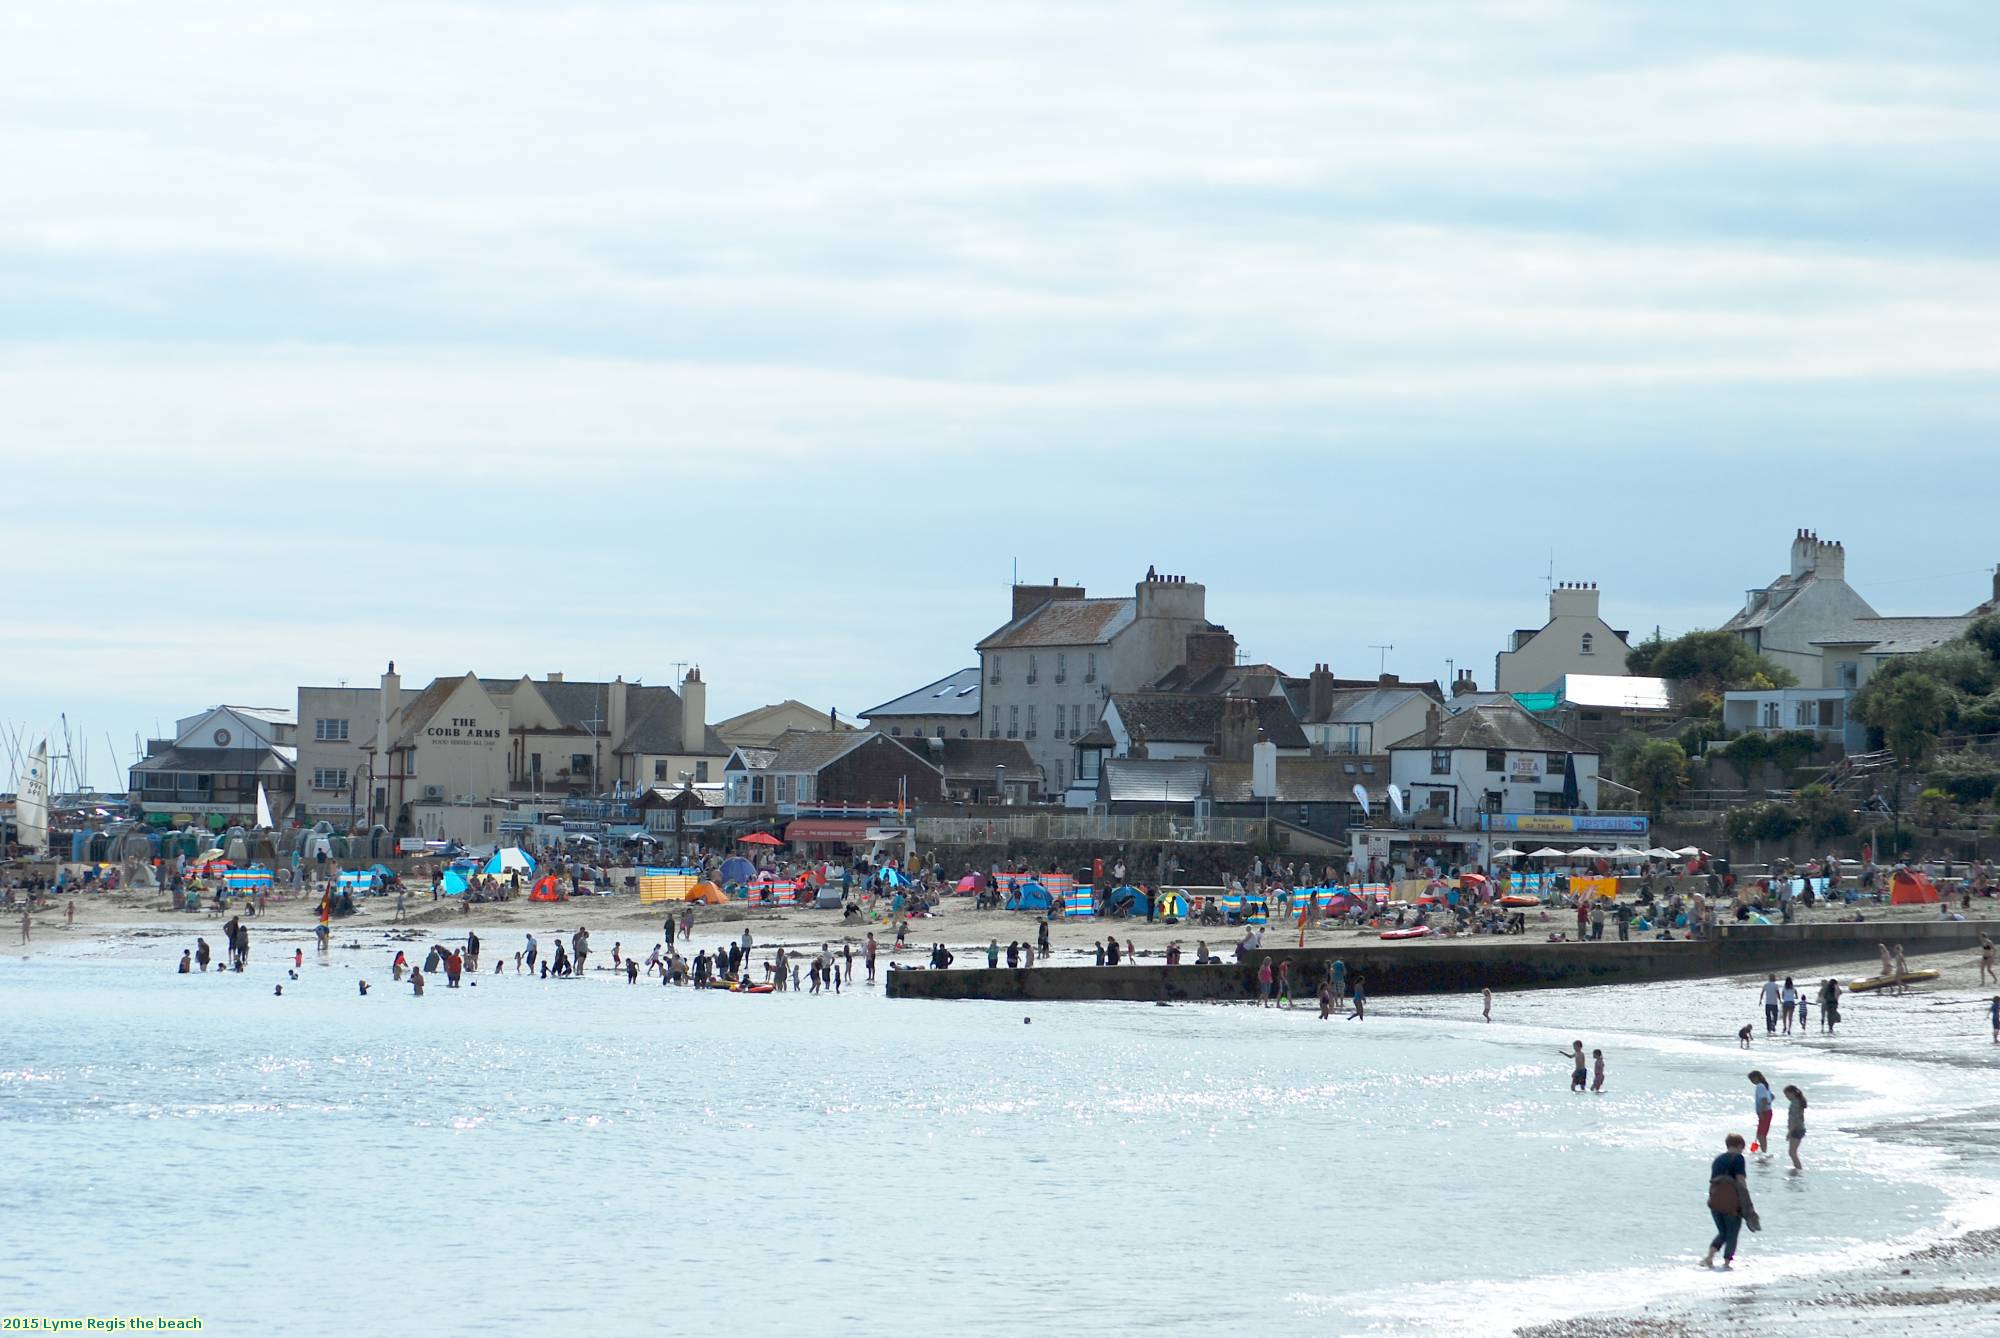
993, 724
701, 771
1494, 803
805, 790
1805, 715
963, 734
1348, 767
1586, 643
1061, 715
1090, 668
1496, 759
1034, 664
659, 771
756, 789
1062, 771
1850, 673
940, 732
329, 778
1770, 715
1829, 713
534, 764
1076, 720
784, 795
1031, 720
486, 824
1013, 722
330, 731
1367, 768
1440, 763
579, 764
895, 731
1062, 667
993, 670
1548, 801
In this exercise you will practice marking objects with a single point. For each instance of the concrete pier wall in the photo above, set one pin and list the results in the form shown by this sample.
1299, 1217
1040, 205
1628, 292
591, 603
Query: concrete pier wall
1456, 966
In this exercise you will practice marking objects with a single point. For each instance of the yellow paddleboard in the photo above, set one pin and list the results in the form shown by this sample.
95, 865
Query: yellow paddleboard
1882, 982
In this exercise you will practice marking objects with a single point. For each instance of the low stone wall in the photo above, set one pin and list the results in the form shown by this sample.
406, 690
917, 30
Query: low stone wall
1455, 966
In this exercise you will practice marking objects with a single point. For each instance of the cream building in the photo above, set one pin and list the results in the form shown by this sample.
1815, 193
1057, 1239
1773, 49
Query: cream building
1575, 640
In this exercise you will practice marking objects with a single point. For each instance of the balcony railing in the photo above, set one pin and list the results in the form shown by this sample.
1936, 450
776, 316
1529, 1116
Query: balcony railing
1091, 827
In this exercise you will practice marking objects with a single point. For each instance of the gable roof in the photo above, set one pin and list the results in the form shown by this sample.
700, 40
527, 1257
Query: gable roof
1301, 780
954, 694
1065, 622
746, 758
1365, 706
1241, 680
425, 705
747, 718
815, 750
1903, 636
654, 725
1179, 717
1499, 725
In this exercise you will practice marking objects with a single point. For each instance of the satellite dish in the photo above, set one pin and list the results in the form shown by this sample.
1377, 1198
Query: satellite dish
1396, 805
1361, 798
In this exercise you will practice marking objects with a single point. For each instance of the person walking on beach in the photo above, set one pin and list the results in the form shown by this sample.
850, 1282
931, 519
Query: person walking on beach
1795, 1122
26, 922
868, 956
1360, 998
1597, 1071
1770, 994
1266, 987
1325, 999
1765, 1105
1829, 1005
201, 954
1579, 1072
1339, 983
1729, 1201
1986, 971
1042, 938
1486, 1004
1993, 1015
531, 949
1789, 1000
1902, 972
417, 982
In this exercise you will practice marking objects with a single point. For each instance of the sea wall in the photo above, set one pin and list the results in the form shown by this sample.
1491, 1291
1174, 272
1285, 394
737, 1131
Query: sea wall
1456, 966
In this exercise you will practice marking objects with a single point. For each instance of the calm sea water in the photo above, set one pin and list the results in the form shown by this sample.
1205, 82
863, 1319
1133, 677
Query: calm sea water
616, 1158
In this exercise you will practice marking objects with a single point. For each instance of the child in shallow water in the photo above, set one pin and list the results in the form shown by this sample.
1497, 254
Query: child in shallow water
1597, 1070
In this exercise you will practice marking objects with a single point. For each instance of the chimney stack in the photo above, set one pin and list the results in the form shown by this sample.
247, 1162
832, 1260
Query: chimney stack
1028, 598
694, 710
1236, 732
1463, 684
1319, 693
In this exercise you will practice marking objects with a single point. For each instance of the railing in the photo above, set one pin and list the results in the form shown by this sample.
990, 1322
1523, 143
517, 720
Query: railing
1090, 827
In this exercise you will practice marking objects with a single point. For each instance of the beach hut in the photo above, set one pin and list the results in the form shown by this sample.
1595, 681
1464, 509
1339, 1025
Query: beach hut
1907, 887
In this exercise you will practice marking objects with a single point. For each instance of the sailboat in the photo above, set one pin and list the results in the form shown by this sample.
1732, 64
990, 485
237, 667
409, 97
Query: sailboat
31, 803
264, 810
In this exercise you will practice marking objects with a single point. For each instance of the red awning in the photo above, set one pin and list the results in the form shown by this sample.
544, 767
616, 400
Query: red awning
827, 829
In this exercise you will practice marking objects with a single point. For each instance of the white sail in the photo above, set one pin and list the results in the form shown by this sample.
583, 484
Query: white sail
264, 810
31, 802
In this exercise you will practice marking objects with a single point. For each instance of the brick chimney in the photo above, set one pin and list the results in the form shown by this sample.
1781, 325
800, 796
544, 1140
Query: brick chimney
1831, 560
694, 710
1236, 732
1207, 651
1028, 598
1319, 693
1464, 683
1805, 550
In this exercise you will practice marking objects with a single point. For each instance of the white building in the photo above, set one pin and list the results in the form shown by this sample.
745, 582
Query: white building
1792, 619
209, 771
1575, 640
1045, 674
946, 709
1490, 759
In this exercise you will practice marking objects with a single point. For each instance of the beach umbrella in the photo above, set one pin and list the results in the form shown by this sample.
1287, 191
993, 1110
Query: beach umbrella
736, 869
1508, 852
1660, 852
1547, 852
1588, 852
1690, 852
1627, 852
760, 839
209, 856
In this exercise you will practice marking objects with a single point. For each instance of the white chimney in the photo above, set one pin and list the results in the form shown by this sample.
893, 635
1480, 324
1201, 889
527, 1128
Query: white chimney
694, 711
1264, 770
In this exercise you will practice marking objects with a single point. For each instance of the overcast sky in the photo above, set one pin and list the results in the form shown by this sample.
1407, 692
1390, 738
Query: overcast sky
519, 336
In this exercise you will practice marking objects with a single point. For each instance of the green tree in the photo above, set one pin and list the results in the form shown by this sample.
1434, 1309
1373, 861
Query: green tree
1659, 772
1820, 812
1765, 820
1911, 707
1969, 778
1985, 634
1934, 809
1705, 662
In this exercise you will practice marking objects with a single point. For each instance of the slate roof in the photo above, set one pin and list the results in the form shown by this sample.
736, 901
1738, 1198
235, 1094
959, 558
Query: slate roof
954, 694
1903, 636
425, 705
1153, 779
1178, 717
654, 725
973, 759
1503, 725
220, 759
1242, 680
754, 759
1066, 622
1301, 780
1365, 706
1097, 736
814, 750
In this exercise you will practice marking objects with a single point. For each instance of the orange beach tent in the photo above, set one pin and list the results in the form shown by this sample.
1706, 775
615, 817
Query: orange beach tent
708, 894
546, 888
1908, 888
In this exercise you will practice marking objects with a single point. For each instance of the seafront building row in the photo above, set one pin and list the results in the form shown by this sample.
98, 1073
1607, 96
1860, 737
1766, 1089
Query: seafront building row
1094, 707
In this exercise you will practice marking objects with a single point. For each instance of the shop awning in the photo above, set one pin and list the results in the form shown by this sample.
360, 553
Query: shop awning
827, 829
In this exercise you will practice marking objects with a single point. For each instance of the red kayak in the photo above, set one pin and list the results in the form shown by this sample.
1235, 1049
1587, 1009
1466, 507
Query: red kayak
1419, 932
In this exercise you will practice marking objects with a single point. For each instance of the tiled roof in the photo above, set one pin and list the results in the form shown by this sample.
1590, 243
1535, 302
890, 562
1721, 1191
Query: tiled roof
754, 759
1065, 622
1503, 725
954, 694
1367, 705
1242, 680
1179, 717
1153, 779
1097, 736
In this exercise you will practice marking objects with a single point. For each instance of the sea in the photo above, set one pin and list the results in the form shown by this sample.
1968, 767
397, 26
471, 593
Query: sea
593, 1156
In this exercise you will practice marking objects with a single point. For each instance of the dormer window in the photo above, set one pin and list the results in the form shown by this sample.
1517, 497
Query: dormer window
1587, 639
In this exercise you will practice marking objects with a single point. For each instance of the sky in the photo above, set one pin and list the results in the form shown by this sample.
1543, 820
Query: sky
606, 338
